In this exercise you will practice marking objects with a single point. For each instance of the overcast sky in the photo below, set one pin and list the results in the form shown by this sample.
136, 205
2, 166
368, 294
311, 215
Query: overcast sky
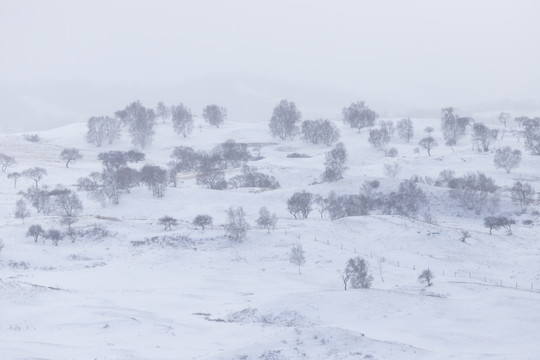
422, 53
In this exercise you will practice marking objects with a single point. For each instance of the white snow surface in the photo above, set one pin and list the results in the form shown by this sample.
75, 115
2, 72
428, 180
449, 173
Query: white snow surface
213, 299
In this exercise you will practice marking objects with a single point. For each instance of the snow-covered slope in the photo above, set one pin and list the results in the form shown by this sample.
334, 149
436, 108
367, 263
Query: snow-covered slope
213, 299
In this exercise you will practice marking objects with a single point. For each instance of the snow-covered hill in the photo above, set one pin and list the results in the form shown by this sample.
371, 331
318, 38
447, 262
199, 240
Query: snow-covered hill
212, 299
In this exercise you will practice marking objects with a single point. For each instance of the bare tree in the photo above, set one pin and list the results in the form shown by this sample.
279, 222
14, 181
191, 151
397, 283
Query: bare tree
155, 178
297, 257
212, 180
407, 201
54, 235
266, 220
483, 136
251, 177
335, 163
203, 221
426, 277
322, 204
168, 222
70, 155
474, 191
114, 160
320, 131
496, 222
507, 158
340, 206
523, 194
21, 212
359, 116
66, 201
231, 153
182, 120
6, 161
15, 177
300, 204
428, 143
357, 273
392, 170
35, 173
236, 226
101, 129
35, 231
185, 159
39, 198
405, 129
453, 127
504, 118
379, 138
284, 120
531, 129
140, 122
214, 115
162, 111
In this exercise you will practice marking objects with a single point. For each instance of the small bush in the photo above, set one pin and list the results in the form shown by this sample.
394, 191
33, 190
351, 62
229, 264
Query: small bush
296, 155
32, 138
94, 232
392, 152
19, 265
426, 277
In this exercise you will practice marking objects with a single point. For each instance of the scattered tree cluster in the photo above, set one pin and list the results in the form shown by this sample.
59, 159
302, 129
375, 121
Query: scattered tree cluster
483, 136
473, 191
453, 127
103, 129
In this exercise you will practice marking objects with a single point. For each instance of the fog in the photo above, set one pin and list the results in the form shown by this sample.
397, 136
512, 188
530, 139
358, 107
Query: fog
63, 61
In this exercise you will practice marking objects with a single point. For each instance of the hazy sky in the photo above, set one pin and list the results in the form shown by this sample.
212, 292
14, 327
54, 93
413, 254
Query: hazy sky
424, 53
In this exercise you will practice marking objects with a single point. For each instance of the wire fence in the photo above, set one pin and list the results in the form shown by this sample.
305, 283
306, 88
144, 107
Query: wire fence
452, 276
